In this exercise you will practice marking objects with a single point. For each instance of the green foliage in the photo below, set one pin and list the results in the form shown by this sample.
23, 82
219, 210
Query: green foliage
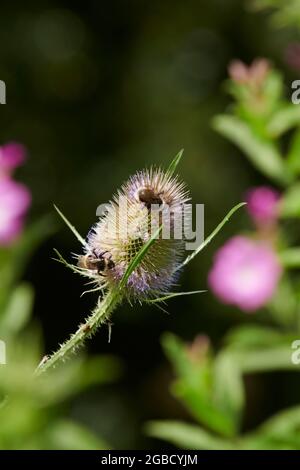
211, 385
14, 258
196, 385
262, 152
290, 203
186, 436
33, 410
259, 118
284, 12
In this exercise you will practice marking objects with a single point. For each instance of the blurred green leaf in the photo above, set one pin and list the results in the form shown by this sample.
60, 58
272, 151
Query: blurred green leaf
265, 359
18, 310
284, 303
281, 431
252, 336
283, 423
290, 202
67, 435
228, 387
258, 441
263, 153
186, 436
259, 348
203, 406
284, 12
194, 385
293, 156
284, 119
77, 375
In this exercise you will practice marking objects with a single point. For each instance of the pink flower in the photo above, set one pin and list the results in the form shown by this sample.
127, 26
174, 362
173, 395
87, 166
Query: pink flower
263, 205
15, 200
245, 273
12, 155
253, 74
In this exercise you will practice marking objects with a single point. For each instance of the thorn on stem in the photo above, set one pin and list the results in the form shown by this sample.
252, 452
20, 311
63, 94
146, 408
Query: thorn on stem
43, 361
109, 324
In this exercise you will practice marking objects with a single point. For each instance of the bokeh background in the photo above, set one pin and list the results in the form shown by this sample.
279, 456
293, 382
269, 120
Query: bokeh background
97, 90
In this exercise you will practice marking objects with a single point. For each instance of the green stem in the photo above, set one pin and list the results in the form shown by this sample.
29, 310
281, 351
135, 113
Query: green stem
99, 316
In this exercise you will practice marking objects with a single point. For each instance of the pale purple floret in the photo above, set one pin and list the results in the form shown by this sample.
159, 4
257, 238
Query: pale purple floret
262, 205
245, 273
141, 283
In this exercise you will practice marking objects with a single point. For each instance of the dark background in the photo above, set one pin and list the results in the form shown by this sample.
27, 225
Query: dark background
97, 90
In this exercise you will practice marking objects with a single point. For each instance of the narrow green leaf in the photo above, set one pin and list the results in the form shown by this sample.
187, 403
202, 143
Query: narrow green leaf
138, 258
71, 227
213, 234
174, 294
284, 119
174, 163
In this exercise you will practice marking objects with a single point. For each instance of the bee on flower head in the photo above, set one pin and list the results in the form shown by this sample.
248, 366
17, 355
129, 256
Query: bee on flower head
156, 187
96, 262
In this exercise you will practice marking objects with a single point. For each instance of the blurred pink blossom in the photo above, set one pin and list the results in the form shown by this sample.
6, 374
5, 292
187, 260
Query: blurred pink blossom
253, 74
263, 205
15, 198
245, 273
12, 155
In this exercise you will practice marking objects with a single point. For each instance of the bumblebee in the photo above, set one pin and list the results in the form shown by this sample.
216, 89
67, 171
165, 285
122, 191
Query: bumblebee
95, 261
149, 197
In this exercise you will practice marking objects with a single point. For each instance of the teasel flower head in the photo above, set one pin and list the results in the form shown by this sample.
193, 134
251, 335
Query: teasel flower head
150, 202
